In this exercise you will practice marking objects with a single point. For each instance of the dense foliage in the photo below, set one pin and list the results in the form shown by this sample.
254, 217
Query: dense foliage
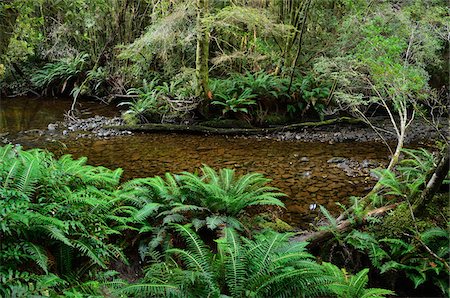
62, 220
412, 241
68, 229
235, 59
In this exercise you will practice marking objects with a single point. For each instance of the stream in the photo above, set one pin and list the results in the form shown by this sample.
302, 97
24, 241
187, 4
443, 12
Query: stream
308, 172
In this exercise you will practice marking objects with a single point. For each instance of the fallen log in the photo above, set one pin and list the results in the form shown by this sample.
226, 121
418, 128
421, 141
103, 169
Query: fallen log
154, 127
318, 237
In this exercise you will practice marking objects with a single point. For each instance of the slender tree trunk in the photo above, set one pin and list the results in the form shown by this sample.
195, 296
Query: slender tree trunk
302, 30
294, 20
434, 183
202, 53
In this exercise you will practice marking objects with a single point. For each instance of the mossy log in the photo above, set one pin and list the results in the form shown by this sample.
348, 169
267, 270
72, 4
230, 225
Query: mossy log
318, 237
152, 127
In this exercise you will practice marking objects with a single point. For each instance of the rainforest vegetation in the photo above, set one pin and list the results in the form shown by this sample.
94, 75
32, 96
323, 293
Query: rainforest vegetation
70, 229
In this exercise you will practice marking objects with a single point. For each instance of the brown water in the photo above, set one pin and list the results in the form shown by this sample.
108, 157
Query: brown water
299, 169
19, 114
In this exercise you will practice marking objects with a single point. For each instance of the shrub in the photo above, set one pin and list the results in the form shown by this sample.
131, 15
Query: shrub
59, 72
164, 102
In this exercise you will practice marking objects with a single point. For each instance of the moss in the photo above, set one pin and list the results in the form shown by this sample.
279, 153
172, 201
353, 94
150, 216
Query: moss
226, 123
400, 220
269, 221
274, 119
278, 226
438, 210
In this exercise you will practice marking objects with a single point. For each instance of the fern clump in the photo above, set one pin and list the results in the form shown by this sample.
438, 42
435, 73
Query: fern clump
212, 201
268, 266
53, 214
352, 286
59, 72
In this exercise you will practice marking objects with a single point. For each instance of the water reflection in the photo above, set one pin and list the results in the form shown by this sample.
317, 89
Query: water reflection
19, 114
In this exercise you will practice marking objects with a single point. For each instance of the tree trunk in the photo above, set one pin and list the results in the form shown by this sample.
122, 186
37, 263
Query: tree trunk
299, 49
154, 127
434, 183
202, 53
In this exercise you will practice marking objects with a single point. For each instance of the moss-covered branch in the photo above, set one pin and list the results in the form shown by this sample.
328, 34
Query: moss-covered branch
153, 127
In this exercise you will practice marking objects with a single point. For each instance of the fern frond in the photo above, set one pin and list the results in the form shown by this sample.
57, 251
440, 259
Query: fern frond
89, 251
234, 262
434, 233
27, 179
145, 289
328, 216
146, 211
359, 281
213, 222
38, 255
377, 293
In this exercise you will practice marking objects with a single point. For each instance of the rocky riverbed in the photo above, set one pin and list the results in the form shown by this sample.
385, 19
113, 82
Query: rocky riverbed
419, 131
99, 127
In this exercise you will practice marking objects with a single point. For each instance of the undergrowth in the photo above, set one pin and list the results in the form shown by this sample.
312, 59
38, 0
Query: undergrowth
65, 225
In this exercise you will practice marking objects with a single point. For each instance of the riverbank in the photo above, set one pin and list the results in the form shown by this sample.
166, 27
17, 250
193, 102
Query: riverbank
330, 131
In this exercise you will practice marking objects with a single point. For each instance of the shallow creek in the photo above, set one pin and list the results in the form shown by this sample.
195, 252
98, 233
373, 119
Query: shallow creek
309, 173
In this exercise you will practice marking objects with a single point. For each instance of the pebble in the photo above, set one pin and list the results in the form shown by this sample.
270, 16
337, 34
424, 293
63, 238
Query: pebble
337, 160
306, 174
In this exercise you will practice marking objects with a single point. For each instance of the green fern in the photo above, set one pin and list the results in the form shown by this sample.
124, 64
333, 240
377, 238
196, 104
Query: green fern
352, 286
224, 192
60, 71
214, 200
46, 204
37, 254
268, 266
